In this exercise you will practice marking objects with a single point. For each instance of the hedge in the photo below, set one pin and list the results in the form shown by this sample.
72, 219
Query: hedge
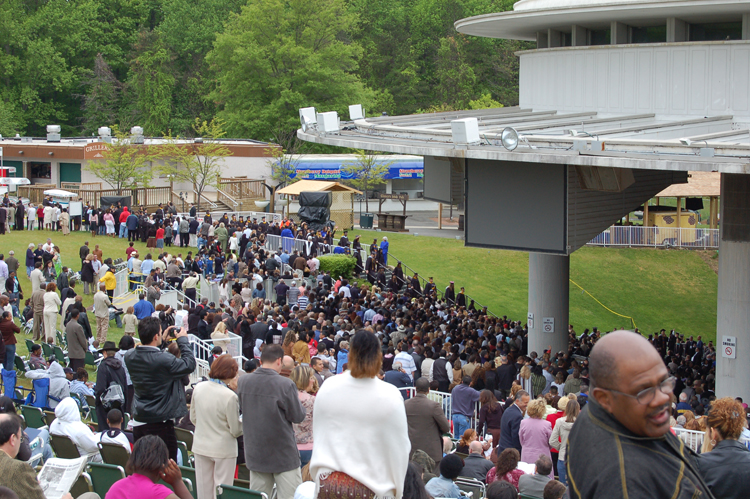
337, 265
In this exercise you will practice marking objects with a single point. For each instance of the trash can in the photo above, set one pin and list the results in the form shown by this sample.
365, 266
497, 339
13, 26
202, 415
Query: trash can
365, 220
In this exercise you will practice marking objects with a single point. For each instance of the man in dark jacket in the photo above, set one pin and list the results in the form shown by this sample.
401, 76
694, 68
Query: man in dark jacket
506, 373
627, 419
156, 375
110, 371
511, 423
132, 224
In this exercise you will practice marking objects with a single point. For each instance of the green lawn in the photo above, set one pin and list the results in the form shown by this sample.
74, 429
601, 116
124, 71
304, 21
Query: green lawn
69, 245
658, 288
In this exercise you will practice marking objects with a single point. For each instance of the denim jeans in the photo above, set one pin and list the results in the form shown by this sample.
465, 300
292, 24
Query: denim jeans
460, 425
562, 472
123, 230
10, 354
304, 457
116, 317
28, 271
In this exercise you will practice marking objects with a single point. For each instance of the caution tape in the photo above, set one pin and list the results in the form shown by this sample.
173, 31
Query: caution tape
602, 304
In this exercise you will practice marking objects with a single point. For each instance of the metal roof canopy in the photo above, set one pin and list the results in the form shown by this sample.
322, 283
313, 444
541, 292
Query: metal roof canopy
643, 141
315, 186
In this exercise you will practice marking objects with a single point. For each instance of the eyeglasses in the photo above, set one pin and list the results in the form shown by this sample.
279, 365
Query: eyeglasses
645, 397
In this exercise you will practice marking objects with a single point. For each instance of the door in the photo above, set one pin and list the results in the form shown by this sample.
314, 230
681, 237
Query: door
70, 172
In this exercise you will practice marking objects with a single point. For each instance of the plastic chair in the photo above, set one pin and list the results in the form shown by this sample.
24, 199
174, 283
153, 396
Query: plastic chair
113, 454
47, 350
64, 447
89, 359
59, 354
20, 364
34, 416
103, 476
29, 345
184, 435
232, 492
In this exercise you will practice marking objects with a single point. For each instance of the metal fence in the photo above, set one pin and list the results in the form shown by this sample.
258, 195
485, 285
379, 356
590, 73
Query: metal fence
121, 286
694, 438
657, 237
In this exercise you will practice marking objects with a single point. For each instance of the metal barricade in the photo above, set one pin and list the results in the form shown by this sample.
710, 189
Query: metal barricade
121, 286
692, 438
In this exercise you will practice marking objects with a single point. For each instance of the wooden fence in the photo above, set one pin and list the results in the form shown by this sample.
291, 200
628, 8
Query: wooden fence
240, 188
149, 197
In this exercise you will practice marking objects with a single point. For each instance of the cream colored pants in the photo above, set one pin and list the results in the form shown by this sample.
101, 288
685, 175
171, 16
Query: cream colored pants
286, 483
210, 473
50, 325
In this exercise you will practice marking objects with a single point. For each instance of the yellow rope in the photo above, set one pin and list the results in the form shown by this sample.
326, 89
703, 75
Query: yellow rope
602, 304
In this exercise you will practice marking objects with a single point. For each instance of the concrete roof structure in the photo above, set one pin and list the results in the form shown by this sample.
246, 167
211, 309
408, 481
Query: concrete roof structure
639, 141
316, 186
531, 16
699, 185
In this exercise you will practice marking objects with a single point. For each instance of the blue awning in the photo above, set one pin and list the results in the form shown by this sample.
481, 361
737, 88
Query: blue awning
332, 170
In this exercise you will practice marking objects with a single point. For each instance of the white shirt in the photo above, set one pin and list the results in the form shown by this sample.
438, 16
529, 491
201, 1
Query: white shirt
448, 368
120, 439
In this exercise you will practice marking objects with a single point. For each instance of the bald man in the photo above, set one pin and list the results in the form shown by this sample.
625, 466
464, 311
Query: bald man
620, 445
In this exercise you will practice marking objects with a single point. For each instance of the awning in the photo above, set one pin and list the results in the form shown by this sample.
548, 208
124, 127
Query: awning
316, 186
699, 185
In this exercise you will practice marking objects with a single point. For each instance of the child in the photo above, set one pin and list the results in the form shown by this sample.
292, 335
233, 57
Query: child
130, 322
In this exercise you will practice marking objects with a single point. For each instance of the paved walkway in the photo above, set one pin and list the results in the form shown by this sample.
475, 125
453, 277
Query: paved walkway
425, 223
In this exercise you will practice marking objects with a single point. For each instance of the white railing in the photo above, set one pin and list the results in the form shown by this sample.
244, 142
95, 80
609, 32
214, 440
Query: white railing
122, 277
247, 215
202, 351
694, 438
657, 237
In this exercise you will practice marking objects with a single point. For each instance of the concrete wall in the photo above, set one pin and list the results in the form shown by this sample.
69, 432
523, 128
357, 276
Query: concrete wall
681, 79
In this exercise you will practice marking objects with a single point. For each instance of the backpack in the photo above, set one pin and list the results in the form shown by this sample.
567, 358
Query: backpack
113, 397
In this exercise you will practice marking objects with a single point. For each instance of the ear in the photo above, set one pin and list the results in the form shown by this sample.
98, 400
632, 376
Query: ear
604, 398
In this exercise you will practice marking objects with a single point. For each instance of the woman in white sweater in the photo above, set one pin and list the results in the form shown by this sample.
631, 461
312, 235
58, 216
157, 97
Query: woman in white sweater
215, 412
52, 305
559, 437
360, 431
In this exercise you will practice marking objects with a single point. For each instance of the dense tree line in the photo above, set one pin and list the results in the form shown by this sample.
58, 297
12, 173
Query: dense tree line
161, 64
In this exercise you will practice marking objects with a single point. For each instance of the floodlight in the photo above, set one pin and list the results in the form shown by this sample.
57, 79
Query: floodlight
306, 124
356, 112
309, 112
509, 138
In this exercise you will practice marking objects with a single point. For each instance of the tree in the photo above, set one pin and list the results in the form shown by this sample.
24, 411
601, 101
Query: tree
282, 161
101, 102
366, 171
124, 165
280, 55
197, 162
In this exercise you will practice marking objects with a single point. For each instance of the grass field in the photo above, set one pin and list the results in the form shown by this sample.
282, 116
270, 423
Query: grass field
658, 288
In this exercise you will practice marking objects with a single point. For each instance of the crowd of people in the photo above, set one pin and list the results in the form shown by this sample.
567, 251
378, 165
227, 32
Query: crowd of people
345, 386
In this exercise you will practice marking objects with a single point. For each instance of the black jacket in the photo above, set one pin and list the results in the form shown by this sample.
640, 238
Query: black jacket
726, 469
156, 375
110, 369
629, 465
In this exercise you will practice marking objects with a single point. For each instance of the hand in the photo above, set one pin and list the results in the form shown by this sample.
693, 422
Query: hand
182, 333
171, 473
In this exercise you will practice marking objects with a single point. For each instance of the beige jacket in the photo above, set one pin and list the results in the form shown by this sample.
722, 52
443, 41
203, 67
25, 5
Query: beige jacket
215, 412
101, 304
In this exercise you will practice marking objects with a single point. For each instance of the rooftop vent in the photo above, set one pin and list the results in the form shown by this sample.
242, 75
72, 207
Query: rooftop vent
53, 133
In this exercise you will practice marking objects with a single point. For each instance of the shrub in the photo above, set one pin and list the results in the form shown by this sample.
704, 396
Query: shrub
337, 265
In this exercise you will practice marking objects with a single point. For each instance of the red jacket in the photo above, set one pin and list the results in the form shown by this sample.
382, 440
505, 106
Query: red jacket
124, 216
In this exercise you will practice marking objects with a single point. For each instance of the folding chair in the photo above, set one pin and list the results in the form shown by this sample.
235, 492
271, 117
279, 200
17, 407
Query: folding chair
82, 485
113, 454
473, 485
188, 476
103, 476
64, 447
29, 345
61, 339
184, 435
232, 492
187, 460
33, 416
89, 359
60, 355
47, 350
39, 396
20, 364
49, 416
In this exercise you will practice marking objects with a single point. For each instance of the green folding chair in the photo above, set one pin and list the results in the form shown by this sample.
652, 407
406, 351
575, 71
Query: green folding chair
34, 416
89, 359
47, 350
184, 435
188, 476
186, 459
61, 339
232, 492
104, 476
19, 364
49, 416
82, 485
64, 448
113, 454
59, 355
29, 345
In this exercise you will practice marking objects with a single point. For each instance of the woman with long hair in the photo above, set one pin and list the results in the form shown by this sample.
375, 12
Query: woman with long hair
341, 458
467, 438
304, 378
559, 437
490, 415
289, 340
506, 468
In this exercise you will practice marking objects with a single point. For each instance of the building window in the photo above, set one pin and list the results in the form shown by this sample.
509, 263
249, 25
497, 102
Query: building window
42, 171
649, 34
715, 32
566, 39
599, 37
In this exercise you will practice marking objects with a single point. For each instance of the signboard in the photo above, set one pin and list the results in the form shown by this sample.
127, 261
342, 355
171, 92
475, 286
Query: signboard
729, 347
400, 197
95, 150
548, 324
332, 169
530, 320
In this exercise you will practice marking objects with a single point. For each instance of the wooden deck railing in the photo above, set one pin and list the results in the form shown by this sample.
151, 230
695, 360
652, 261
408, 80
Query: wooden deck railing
35, 192
146, 196
239, 188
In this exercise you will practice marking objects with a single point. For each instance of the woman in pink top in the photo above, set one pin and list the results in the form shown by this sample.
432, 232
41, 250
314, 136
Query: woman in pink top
506, 468
148, 464
304, 378
534, 433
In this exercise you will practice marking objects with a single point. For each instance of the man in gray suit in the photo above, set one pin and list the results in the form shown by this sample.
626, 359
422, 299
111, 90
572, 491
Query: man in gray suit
533, 485
475, 464
426, 421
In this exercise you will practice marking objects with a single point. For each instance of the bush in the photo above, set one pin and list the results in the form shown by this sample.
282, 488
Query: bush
337, 265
